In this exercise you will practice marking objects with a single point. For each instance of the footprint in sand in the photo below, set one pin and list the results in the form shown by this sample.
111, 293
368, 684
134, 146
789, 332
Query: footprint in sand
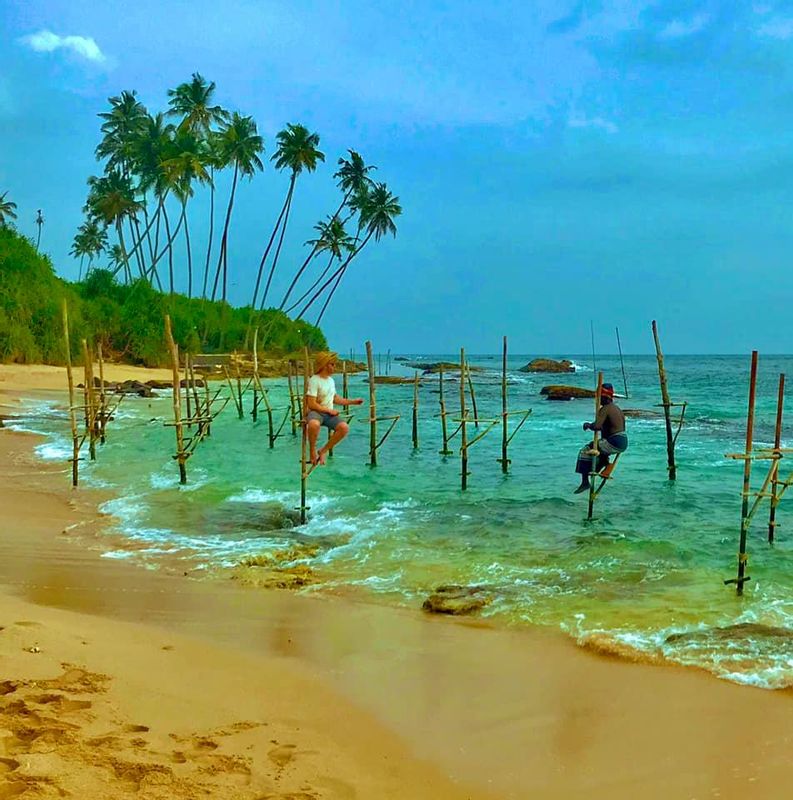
136, 729
282, 754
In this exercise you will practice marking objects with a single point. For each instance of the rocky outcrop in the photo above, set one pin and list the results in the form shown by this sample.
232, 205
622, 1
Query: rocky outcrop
391, 379
431, 367
457, 600
560, 392
548, 365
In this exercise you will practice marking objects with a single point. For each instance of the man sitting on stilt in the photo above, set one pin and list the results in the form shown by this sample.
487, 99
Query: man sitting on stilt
320, 399
613, 441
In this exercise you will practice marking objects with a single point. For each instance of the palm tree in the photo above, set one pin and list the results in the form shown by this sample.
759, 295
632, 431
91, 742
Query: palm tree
297, 150
7, 210
115, 259
334, 239
193, 102
90, 240
238, 144
79, 250
377, 219
39, 224
353, 178
111, 199
186, 164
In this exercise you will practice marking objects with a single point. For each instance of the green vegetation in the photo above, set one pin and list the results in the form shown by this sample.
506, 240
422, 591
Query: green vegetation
128, 319
153, 164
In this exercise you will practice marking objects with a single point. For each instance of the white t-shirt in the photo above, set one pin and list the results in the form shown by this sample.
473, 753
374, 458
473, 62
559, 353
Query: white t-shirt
324, 389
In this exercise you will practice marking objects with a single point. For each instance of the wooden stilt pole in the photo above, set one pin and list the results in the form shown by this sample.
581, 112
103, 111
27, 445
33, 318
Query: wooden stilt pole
463, 426
187, 397
255, 411
292, 396
622, 363
191, 387
670, 439
473, 395
72, 409
444, 428
504, 410
239, 393
305, 467
372, 407
208, 412
593, 470
780, 402
747, 478
416, 411
181, 456
345, 380
102, 395
90, 419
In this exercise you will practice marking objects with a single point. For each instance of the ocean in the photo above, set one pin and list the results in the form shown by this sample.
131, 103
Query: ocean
642, 580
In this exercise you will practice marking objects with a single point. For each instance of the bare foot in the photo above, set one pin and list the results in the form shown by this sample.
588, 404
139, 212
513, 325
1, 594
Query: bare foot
322, 457
314, 459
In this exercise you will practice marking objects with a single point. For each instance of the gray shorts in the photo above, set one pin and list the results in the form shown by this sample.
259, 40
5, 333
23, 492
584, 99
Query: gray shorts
327, 420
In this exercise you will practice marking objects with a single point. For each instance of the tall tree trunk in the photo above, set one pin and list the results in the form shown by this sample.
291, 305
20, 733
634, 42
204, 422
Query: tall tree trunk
136, 248
312, 287
287, 207
211, 230
336, 274
124, 256
80, 273
148, 227
311, 255
330, 297
38, 238
270, 244
224, 239
189, 254
169, 247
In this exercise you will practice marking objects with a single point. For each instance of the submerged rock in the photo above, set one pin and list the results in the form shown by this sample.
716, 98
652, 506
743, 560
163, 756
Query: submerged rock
391, 379
431, 367
560, 392
457, 600
548, 365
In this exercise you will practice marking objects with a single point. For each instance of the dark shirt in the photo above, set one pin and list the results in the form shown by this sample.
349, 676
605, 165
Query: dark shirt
610, 420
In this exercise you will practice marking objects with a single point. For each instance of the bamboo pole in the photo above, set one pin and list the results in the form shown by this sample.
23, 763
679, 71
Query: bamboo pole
191, 387
670, 439
208, 412
416, 410
181, 456
473, 396
255, 411
747, 477
444, 429
240, 408
292, 395
463, 426
504, 410
72, 411
102, 394
593, 471
188, 399
622, 363
372, 407
305, 471
775, 466
90, 417
345, 380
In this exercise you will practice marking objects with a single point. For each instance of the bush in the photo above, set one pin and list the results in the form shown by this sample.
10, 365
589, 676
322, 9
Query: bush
127, 320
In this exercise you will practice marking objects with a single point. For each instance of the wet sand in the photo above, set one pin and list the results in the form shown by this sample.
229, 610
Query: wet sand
247, 693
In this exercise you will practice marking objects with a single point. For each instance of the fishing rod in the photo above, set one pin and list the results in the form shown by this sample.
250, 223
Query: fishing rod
622, 363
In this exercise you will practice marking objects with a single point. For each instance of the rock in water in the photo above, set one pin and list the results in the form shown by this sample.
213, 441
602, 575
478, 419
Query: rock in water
548, 365
457, 600
560, 392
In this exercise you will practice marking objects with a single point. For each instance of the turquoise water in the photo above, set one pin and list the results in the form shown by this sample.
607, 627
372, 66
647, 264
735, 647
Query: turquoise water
643, 579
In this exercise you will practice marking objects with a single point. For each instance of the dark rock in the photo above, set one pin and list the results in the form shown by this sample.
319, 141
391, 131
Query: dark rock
457, 600
134, 387
559, 392
431, 367
159, 384
548, 365
391, 379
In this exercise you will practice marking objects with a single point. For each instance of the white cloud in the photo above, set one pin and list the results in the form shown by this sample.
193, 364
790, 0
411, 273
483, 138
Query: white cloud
47, 42
678, 28
777, 28
593, 122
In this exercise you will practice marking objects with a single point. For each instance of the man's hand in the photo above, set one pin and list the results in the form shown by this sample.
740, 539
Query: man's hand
357, 402
587, 426
332, 412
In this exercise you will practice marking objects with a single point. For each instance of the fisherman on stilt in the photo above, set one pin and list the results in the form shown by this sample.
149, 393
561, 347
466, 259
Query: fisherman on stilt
613, 440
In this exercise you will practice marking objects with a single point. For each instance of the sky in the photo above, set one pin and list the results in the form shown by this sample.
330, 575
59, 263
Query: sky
557, 161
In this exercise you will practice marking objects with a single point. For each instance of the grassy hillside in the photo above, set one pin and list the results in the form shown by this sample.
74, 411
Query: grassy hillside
127, 319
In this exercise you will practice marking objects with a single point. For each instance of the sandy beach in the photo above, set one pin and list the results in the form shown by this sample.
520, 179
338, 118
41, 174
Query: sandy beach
118, 681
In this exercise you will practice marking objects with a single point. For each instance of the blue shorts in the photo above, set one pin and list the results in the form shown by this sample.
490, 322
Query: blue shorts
330, 421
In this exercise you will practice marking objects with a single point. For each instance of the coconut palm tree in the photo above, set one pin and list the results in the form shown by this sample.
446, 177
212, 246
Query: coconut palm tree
39, 224
89, 241
111, 200
115, 259
298, 150
353, 179
7, 210
187, 163
377, 219
238, 144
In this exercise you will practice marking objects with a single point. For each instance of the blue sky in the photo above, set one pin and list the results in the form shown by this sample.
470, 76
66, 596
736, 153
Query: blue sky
556, 161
